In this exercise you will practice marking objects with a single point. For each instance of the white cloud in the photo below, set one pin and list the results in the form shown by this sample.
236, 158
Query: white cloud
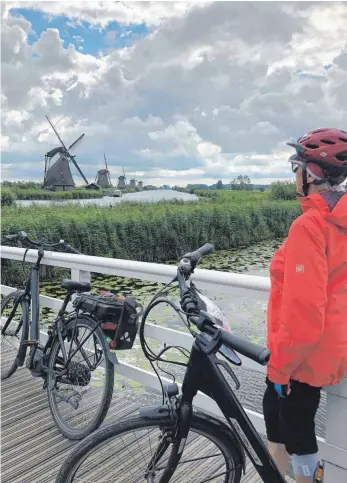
78, 39
4, 142
100, 13
210, 80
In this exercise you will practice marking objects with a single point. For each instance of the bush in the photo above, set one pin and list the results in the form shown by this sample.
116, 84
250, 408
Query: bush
230, 196
39, 194
7, 197
283, 190
154, 232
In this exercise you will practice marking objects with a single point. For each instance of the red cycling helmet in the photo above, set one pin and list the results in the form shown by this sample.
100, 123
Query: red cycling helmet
323, 154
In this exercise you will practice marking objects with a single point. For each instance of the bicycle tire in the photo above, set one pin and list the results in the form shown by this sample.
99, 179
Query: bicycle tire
201, 425
20, 354
64, 428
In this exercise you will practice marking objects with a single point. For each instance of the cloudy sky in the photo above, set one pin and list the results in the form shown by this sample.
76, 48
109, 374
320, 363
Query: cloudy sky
176, 92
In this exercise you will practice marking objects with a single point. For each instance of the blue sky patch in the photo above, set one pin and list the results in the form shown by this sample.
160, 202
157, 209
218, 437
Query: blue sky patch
86, 38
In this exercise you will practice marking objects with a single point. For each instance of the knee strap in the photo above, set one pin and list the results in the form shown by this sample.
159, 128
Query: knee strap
305, 465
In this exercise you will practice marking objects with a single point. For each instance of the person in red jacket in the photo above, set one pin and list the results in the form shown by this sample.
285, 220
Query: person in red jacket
307, 310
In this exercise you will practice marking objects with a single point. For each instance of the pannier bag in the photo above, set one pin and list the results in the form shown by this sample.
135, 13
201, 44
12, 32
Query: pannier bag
119, 317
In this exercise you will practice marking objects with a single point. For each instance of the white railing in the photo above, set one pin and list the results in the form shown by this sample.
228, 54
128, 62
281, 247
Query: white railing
333, 448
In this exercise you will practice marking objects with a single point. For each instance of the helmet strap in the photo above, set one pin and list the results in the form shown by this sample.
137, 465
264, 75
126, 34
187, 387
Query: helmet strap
305, 184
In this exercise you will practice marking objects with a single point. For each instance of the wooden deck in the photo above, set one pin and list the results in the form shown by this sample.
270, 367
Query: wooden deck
32, 449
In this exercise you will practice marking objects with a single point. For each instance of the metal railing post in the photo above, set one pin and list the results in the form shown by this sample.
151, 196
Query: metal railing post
80, 275
336, 429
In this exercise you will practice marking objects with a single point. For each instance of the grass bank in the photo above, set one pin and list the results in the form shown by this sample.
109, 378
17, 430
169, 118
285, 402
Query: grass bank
9, 195
156, 232
152, 232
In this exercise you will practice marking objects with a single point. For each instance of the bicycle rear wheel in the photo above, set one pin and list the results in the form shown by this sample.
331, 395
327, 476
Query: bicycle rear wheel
79, 400
15, 315
122, 452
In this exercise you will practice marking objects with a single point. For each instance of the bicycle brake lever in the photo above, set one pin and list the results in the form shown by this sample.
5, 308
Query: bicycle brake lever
213, 342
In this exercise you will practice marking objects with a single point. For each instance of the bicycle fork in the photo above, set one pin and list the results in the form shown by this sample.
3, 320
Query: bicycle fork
178, 440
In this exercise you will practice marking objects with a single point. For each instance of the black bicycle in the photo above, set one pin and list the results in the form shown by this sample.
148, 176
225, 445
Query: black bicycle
174, 442
78, 377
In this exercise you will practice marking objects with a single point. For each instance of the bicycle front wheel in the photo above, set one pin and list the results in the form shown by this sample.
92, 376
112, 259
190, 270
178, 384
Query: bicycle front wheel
125, 451
79, 398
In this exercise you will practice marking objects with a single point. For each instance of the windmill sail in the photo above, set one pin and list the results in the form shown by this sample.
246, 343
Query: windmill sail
73, 145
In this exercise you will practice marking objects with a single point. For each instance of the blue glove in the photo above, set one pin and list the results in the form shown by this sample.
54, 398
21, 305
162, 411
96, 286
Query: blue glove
282, 390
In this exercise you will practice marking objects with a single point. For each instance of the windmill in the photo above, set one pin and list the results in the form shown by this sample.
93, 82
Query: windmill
122, 180
103, 177
58, 175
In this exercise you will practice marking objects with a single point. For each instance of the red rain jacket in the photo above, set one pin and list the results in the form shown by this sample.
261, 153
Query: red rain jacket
307, 310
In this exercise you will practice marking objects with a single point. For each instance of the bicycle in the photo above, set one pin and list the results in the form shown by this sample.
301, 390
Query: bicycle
72, 361
169, 436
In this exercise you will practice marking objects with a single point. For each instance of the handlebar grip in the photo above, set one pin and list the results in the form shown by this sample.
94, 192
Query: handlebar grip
68, 248
195, 257
255, 352
205, 249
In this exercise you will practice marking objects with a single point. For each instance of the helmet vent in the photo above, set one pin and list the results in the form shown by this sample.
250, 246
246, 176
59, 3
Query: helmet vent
342, 156
344, 140
327, 141
311, 146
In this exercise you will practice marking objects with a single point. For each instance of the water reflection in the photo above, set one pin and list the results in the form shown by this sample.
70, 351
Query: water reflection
142, 196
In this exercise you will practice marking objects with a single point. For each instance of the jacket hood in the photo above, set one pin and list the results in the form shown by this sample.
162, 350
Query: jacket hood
331, 204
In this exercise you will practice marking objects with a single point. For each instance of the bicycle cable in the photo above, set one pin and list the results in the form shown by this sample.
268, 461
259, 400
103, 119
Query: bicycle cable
155, 358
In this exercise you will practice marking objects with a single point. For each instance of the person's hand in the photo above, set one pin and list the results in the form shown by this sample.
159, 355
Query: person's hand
283, 390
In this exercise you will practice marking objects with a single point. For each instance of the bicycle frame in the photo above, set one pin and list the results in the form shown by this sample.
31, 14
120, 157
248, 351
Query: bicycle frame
209, 374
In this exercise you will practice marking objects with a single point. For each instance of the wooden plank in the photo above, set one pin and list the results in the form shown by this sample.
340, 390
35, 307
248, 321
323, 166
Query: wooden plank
33, 449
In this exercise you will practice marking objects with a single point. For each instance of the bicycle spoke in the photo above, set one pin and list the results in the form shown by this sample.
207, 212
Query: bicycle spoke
80, 386
134, 456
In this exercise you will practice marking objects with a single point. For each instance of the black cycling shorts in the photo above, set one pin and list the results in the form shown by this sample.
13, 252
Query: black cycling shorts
291, 420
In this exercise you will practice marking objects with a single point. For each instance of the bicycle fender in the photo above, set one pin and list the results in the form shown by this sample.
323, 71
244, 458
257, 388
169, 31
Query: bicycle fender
111, 356
154, 413
25, 310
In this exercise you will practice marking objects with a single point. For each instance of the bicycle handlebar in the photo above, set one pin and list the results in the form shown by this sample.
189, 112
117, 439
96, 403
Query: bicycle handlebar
68, 248
190, 260
22, 235
255, 352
